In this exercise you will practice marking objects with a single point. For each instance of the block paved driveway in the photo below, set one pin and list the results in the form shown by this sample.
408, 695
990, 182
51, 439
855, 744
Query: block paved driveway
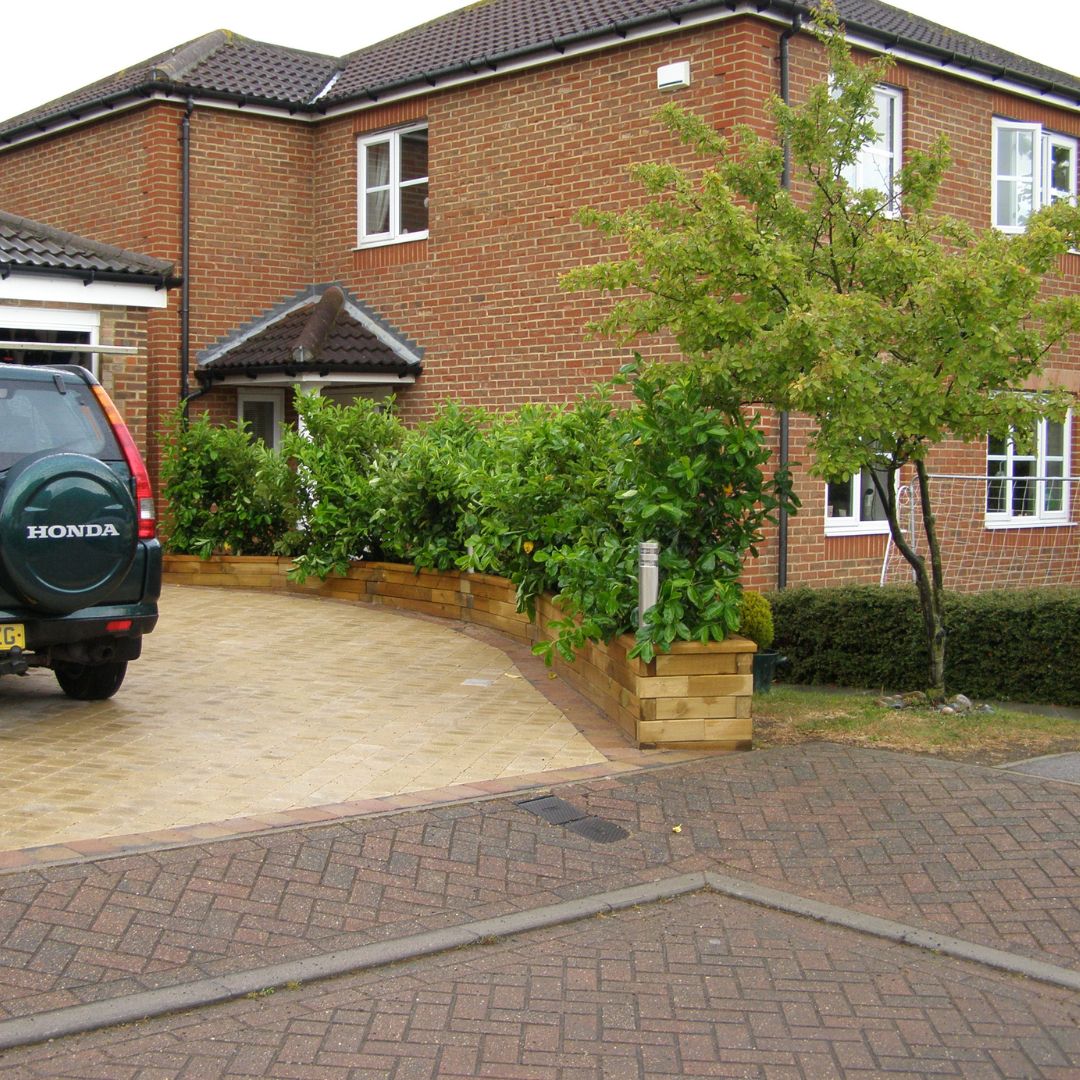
250, 705
700, 985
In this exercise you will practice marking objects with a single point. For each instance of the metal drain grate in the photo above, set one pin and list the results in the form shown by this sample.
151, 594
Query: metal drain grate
598, 829
558, 811
552, 809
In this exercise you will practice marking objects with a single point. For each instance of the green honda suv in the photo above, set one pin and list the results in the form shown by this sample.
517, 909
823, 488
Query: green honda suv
80, 565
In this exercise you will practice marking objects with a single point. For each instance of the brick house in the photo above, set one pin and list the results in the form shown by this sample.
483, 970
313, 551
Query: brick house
397, 220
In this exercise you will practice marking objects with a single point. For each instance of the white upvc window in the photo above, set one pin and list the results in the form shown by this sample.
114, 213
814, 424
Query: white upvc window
393, 186
853, 506
1029, 487
879, 160
263, 413
1032, 168
59, 326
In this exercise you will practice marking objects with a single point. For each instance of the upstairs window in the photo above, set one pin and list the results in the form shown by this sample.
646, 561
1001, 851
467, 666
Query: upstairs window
1029, 488
1032, 168
879, 160
393, 180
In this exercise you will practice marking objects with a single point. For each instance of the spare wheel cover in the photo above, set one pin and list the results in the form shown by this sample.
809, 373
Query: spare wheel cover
68, 531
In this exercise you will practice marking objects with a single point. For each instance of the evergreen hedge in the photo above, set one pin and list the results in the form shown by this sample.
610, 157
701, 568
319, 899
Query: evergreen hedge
1008, 645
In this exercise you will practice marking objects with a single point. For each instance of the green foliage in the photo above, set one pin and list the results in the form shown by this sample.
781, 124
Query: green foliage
687, 472
430, 503
755, 619
555, 498
225, 492
341, 459
545, 482
893, 333
1007, 645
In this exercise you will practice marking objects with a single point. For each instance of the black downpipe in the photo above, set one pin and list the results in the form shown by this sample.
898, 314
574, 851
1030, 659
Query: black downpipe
785, 419
186, 393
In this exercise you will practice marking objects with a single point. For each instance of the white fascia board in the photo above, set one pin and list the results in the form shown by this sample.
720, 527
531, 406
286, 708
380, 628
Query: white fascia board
41, 288
311, 378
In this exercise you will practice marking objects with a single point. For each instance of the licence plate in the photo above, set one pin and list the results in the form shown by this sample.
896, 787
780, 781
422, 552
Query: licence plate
12, 635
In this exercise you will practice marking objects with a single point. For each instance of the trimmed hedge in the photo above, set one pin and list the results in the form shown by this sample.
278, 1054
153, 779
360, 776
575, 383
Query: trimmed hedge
1006, 645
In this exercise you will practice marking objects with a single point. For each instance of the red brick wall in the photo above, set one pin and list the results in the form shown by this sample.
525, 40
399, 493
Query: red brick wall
512, 160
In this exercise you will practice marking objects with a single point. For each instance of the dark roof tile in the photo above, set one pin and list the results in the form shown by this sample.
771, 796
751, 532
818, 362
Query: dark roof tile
496, 28
322, 329
30, 246
228, 66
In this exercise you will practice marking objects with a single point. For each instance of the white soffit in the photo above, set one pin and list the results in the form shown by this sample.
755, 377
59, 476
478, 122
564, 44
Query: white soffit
41, 288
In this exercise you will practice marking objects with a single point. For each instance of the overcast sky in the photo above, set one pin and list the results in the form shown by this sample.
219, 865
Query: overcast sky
55, 46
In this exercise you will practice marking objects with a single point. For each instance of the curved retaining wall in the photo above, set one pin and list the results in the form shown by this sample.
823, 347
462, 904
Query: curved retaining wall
694, 696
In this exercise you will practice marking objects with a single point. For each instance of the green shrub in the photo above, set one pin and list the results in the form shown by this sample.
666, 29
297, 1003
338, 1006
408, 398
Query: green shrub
225, 492
755, 619
555, 498
341, 460
1010, 645
544, 483
430, 506
687, 472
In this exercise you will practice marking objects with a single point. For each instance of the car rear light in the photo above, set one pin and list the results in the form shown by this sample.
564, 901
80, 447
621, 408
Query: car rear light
144, 497
118, 626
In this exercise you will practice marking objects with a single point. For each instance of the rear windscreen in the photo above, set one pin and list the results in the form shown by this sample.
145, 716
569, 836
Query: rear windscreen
36, 416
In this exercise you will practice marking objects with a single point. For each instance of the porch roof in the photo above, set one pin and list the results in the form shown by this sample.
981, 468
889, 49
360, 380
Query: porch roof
321, 331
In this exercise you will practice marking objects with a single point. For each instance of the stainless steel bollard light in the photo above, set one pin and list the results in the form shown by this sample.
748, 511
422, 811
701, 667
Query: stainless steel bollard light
648, 577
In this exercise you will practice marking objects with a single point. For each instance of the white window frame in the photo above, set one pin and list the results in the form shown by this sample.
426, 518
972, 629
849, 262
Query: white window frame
1041, 192
34, 318
394, 185
276, 398
1006, 519
1050, 140
862, 174
853, 525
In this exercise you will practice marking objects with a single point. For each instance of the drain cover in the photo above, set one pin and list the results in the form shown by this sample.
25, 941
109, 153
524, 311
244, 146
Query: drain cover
595, 828
558, 811
553, 809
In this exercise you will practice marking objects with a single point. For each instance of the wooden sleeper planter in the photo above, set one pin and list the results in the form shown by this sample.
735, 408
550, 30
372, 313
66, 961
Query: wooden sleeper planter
694, 696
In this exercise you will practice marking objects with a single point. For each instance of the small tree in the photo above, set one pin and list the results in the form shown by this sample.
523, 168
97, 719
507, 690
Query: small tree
893, 333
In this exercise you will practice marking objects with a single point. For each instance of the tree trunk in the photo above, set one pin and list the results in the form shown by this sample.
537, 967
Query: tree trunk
928, 581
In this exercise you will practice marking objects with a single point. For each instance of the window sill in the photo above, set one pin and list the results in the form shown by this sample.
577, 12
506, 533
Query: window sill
1029, 523
878, 528
407, 238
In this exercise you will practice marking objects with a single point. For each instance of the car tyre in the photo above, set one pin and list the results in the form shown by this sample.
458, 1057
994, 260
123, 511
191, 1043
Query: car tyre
91, 682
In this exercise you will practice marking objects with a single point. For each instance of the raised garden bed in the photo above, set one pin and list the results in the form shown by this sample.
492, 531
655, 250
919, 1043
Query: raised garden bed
694, 696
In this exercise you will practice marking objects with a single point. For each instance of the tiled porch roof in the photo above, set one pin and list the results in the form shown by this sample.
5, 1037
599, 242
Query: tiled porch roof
322, 331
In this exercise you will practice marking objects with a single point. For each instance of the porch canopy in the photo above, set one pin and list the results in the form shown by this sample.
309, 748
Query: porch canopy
322, 337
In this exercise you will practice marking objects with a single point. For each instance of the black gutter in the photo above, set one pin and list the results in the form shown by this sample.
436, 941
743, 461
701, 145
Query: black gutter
146, 90
89, 275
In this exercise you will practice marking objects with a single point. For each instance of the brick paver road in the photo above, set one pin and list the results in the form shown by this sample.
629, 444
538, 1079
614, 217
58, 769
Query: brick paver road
702, 986
989, 856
